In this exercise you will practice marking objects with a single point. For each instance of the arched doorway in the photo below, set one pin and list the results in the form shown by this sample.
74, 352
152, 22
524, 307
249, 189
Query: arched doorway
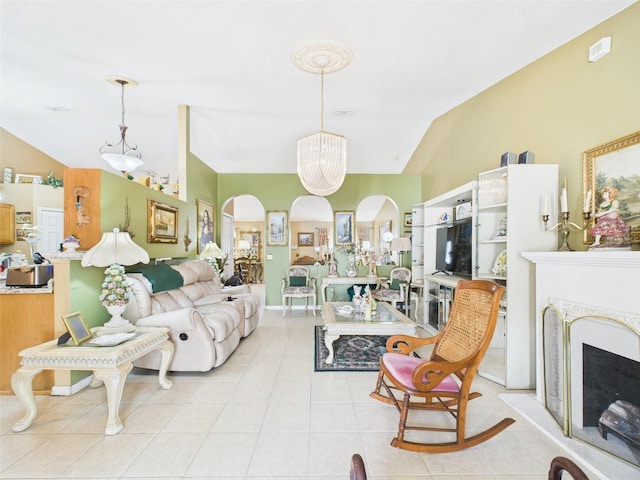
243, 219
375, 216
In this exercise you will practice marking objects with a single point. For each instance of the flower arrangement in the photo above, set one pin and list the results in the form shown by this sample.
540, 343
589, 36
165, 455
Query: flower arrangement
71, 239
216, 268
350, 248
115, 289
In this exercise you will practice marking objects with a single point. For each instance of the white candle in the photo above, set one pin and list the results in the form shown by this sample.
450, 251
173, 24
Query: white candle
546, 205
587, 202
564, 204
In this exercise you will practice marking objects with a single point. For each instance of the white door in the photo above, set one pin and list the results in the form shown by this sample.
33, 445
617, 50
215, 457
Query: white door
52, 222
227, 243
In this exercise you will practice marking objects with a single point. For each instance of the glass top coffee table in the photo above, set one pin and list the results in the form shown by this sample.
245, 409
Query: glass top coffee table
386, 321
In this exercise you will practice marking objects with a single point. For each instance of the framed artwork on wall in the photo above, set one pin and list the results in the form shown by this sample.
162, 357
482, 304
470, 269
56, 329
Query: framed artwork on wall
206, 224
305, 239
162, 222
614, 166
277, 227
407, 219
344, 222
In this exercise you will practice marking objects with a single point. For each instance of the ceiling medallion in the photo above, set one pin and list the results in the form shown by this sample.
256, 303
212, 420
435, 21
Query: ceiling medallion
313, 57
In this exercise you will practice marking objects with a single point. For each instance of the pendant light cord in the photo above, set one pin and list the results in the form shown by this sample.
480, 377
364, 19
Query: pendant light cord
322, 100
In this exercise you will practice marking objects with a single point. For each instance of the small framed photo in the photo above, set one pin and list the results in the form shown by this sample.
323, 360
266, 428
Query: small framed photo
23, 217
407, 219
77, 328
305, 239
22, 178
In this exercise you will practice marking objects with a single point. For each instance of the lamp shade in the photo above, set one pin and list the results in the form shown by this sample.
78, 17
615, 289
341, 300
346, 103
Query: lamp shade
387, 237
114, 247
244, 245
322, 162
212, 250
124, 163
401, 244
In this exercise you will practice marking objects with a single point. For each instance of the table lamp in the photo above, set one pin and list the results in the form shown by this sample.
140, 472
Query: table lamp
244, 247
401, 245
213, 252
113, 251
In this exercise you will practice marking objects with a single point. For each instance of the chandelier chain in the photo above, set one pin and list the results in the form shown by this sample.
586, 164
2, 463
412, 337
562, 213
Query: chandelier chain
122, 84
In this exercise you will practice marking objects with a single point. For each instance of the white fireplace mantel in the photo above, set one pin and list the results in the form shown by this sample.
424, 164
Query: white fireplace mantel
604, 258
607, 279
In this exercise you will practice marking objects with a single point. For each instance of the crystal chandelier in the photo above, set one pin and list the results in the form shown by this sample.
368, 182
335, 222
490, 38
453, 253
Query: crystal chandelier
322, 156
121, 156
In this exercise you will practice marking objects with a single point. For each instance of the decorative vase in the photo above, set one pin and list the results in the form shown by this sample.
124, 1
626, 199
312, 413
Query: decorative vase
116, 312
117, 324
352, 269
70, 246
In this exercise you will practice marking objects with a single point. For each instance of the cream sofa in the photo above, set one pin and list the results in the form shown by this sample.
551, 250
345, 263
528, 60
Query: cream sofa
189, 299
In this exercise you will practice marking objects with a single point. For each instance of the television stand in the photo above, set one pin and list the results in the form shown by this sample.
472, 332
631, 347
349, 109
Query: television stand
442, 271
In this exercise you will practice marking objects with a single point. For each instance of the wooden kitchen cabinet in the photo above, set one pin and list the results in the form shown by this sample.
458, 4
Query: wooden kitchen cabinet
26, 321
7, 224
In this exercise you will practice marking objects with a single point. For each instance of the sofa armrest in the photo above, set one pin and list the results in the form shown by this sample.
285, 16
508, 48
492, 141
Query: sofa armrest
235, 290
176, 320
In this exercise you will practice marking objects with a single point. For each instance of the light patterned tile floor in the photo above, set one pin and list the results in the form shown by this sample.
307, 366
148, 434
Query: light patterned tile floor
264, 414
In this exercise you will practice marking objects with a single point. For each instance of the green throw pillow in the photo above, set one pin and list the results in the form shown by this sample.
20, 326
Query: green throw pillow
395, 284
162, 277
297, 281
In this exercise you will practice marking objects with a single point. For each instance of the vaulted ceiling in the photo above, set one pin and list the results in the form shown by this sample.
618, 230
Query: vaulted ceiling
230, 61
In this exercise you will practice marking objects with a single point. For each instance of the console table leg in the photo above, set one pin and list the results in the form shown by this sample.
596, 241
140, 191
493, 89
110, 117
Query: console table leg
166, 352
21, 382
114, 383
328, 341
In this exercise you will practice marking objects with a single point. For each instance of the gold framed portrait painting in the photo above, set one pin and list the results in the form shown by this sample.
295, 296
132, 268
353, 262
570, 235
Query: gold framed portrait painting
614, 166
206, 224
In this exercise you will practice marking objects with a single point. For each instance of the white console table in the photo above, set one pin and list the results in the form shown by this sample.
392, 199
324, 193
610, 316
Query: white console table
326, 281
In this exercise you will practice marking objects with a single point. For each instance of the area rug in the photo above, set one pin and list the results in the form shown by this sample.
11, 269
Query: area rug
352, 353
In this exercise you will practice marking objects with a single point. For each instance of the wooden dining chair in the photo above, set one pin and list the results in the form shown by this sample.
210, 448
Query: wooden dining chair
442, 383
563, 464
357, 471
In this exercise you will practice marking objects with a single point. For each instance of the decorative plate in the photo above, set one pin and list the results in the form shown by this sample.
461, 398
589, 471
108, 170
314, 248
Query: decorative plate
500, 265
345, 310
112, 340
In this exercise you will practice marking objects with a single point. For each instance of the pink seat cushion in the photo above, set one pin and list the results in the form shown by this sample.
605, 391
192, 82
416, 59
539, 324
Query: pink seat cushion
401, 367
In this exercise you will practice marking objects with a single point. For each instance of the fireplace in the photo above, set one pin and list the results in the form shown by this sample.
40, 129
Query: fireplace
592, 376
600, 286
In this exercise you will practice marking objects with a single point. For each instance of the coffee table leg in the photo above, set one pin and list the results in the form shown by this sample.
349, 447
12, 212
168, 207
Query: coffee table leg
328, 341
114, 379
166, 352
21, 382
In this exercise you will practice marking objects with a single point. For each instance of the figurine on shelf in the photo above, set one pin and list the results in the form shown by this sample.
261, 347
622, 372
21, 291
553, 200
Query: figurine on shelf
609, 227
333, 266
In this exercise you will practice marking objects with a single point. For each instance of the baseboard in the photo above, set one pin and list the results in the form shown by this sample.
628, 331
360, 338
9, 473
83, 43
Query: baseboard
72, 389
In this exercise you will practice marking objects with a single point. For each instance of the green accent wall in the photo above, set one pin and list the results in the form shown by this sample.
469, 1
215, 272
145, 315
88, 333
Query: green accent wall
279, 191
556, 107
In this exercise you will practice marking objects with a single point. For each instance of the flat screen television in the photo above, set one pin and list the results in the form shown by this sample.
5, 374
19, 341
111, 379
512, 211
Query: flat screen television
453, 249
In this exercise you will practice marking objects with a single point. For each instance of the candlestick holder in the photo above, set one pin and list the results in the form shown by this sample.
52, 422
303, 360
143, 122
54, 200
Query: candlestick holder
564, 227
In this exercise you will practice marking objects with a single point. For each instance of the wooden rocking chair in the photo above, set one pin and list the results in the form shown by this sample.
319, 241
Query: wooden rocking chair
443, 383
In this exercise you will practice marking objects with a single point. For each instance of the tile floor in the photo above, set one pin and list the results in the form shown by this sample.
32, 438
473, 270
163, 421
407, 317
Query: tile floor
263, 414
